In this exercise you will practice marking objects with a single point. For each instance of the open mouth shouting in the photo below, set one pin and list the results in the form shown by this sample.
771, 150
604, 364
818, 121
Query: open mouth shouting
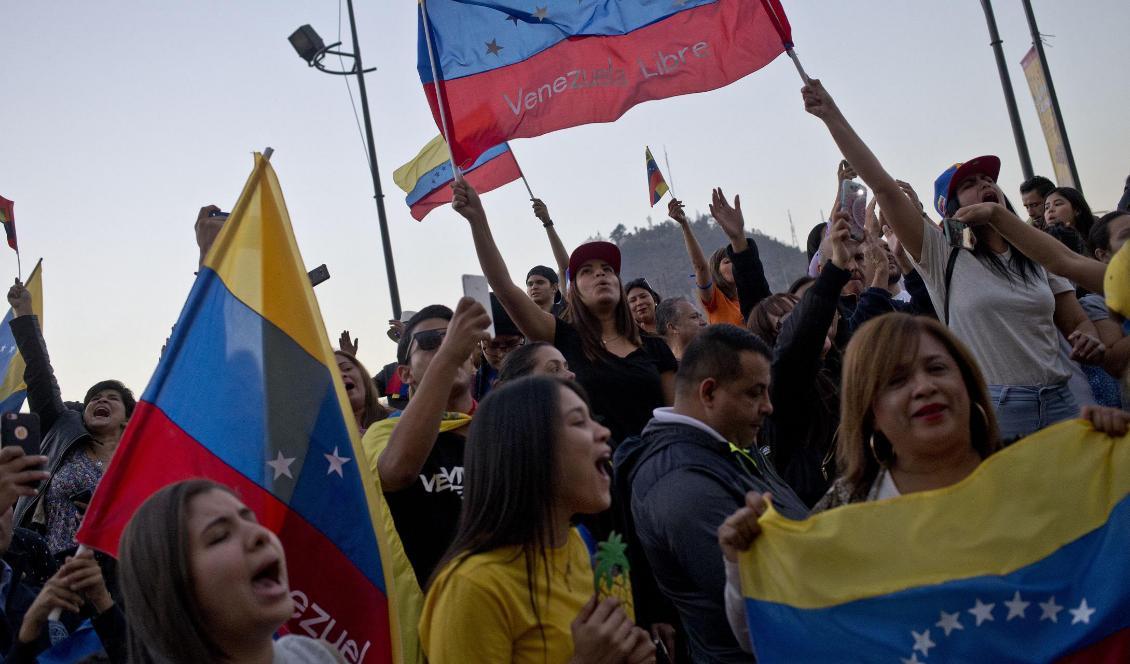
268, 579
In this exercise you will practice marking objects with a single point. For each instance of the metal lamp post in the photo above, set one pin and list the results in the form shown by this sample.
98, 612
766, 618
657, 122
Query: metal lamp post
310, 47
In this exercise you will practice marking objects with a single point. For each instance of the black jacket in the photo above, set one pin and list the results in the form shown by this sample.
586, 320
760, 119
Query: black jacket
875, 302
749, 277
682, 484
62, 427
805, 389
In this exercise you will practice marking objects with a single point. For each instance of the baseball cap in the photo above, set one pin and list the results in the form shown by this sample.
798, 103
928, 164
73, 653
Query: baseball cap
951, 177
605, 251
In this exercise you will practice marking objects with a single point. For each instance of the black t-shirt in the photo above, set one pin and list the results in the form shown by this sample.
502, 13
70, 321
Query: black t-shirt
624, 390
427, 512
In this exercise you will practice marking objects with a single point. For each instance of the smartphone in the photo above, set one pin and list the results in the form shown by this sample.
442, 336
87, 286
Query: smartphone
475, 286
319, 274
853, 200
954, 231
20, 429
217, 213
83, 496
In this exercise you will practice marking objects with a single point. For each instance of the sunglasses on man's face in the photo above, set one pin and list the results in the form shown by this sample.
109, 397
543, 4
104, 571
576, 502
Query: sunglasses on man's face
427, 340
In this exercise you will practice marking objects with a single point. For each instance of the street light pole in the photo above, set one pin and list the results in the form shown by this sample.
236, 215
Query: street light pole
386, 243
1039, 45
1009, 97
311, 48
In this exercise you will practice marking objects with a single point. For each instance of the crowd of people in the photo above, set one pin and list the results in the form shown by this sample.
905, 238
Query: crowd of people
602, 413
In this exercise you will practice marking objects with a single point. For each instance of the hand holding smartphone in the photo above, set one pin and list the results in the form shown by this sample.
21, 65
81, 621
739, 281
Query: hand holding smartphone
853, 200
475, 286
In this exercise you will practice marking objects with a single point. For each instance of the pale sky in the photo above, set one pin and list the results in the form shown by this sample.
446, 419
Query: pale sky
118, 121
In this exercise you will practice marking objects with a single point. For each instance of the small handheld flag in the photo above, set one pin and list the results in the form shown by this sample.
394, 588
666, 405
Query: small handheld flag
656, 185
8, 219
426, 178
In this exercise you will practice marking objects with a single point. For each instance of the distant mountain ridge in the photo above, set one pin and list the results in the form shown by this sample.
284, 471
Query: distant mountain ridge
659, 254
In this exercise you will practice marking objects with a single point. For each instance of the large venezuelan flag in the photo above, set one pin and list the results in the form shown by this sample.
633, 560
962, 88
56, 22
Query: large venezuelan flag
12, 388
1026, 560
248, 394
511, 68
426, 178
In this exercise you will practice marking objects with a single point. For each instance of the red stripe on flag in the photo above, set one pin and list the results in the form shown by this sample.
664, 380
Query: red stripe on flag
1114, 649
501, 170
597, 79
333, 600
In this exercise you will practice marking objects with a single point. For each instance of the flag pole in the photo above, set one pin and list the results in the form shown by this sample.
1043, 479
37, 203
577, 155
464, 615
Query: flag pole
670, 175
439, 93
768, 4
520, 171
19, 268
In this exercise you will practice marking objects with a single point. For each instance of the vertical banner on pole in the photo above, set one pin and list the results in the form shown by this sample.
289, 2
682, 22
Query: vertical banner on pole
1038, 84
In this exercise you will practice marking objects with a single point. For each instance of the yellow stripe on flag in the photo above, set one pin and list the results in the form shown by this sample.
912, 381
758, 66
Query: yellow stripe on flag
1116, 285
433, 154
254, 249
1018, 507
14, 379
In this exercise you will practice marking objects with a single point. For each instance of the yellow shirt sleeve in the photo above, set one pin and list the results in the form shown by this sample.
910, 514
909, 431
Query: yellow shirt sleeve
465, 622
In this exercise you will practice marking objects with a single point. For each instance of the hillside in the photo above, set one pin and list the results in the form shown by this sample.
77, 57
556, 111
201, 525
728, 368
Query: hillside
659, 254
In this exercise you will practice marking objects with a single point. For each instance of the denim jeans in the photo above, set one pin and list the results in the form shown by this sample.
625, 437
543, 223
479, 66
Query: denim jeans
1025, 409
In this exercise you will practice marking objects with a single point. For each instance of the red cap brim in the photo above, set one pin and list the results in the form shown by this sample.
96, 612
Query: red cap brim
605, 251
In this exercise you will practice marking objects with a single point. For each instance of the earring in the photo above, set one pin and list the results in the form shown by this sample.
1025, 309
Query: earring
874, 453
984, 415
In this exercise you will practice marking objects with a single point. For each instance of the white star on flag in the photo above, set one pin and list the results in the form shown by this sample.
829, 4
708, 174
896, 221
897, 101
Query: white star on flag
1017, 607
541, 13
913, 659
982, 611
1051, 610
922, 642
950, 622
281, 466
1081, 614
336, 463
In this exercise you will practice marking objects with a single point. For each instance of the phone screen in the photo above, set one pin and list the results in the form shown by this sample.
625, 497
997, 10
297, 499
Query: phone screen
475, 286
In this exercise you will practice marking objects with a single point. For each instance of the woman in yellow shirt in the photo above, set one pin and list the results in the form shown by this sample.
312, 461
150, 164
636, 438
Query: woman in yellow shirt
516, 584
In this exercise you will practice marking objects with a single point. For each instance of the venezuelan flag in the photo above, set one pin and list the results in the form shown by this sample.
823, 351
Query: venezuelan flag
12, 389
426, 178
656, 185
248, 394
1026, 560
514, 68
8, 220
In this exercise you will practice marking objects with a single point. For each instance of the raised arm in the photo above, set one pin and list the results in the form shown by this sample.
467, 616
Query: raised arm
1036, 244
749, 273
694, 250
560, 255
535, 324
898, 210
43, 395
415, 434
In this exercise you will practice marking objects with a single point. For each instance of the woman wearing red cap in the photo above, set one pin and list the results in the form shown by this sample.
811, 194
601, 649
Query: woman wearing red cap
1006, 308
627, 374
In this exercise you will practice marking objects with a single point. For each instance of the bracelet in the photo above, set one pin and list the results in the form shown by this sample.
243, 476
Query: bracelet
547, 224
